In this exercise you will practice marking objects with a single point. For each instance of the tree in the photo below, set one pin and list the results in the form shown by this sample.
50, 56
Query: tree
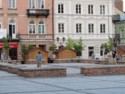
6, 47
109, 45
70, 44
53, 48
78, 46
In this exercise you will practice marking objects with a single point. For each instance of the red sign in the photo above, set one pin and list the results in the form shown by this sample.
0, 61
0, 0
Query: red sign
11, 45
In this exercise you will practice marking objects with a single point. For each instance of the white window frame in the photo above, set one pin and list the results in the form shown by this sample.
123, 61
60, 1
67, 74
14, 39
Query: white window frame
32, 4
32, 26
91, 28
12, 4
78, 8
102, 28
78, 27
60, 8
12, 22
102, 50
41, 4
60, 27
102, 9
90, 9
42, 28
0, 3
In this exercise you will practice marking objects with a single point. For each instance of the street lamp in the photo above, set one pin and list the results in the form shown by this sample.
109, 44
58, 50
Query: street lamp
60, 41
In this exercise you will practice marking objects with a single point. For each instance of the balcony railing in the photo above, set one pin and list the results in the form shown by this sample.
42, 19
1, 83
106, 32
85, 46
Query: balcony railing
36, 36
38, 12
116, 18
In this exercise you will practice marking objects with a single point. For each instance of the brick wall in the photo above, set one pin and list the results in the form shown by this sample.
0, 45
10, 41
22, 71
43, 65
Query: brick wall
33, 72
103, 70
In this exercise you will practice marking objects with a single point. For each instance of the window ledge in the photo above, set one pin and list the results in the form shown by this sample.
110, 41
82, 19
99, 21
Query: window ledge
12, 8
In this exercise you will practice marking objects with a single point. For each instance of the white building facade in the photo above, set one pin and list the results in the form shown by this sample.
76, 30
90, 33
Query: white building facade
90, 20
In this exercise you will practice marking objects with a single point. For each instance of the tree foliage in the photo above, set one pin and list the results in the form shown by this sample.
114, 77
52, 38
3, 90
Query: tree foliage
53, 48
77, 45
6, 44
108, 45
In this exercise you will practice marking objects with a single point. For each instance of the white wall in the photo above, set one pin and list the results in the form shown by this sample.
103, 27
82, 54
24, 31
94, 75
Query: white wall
70, 18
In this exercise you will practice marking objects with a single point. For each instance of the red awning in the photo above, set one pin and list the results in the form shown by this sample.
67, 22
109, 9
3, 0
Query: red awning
11, 45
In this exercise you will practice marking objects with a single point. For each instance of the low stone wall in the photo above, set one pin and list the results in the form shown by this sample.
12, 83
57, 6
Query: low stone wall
80, 61
103, 70
56, 72
34, 62
72, 61
33, 72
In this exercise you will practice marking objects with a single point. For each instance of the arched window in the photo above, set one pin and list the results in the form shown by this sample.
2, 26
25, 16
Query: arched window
41, 28
12, 29
31, 27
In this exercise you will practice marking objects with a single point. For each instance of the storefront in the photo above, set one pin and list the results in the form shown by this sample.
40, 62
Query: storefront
12, 51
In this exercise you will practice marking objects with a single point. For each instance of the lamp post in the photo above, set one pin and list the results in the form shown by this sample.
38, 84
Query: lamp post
60, 41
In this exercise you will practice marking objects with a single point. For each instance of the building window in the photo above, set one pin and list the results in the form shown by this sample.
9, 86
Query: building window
78, 9
90, 51
41, 28
32, 4
61, 27
91, 28
60, 8
102, 28
0, 3
122, 34
12, 29
102, 9
78, 28
90, 9
32, 27
12, 3
42, 47
101, 51
40, 4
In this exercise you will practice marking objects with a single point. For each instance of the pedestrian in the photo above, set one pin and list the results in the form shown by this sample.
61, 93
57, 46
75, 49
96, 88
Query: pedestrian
118, 57
114, 56
54, 57
93, 56
39, 59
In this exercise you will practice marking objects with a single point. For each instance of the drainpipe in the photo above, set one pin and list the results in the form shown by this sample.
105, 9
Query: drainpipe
53, 20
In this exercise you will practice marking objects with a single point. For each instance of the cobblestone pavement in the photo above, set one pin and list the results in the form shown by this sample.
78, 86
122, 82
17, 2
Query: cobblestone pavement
13, 84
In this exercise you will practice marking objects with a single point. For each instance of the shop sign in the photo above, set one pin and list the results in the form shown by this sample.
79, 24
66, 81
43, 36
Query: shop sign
3, 33
11, 45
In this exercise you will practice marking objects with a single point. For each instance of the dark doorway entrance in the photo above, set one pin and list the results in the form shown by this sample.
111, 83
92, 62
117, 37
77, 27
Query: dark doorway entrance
13, 53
